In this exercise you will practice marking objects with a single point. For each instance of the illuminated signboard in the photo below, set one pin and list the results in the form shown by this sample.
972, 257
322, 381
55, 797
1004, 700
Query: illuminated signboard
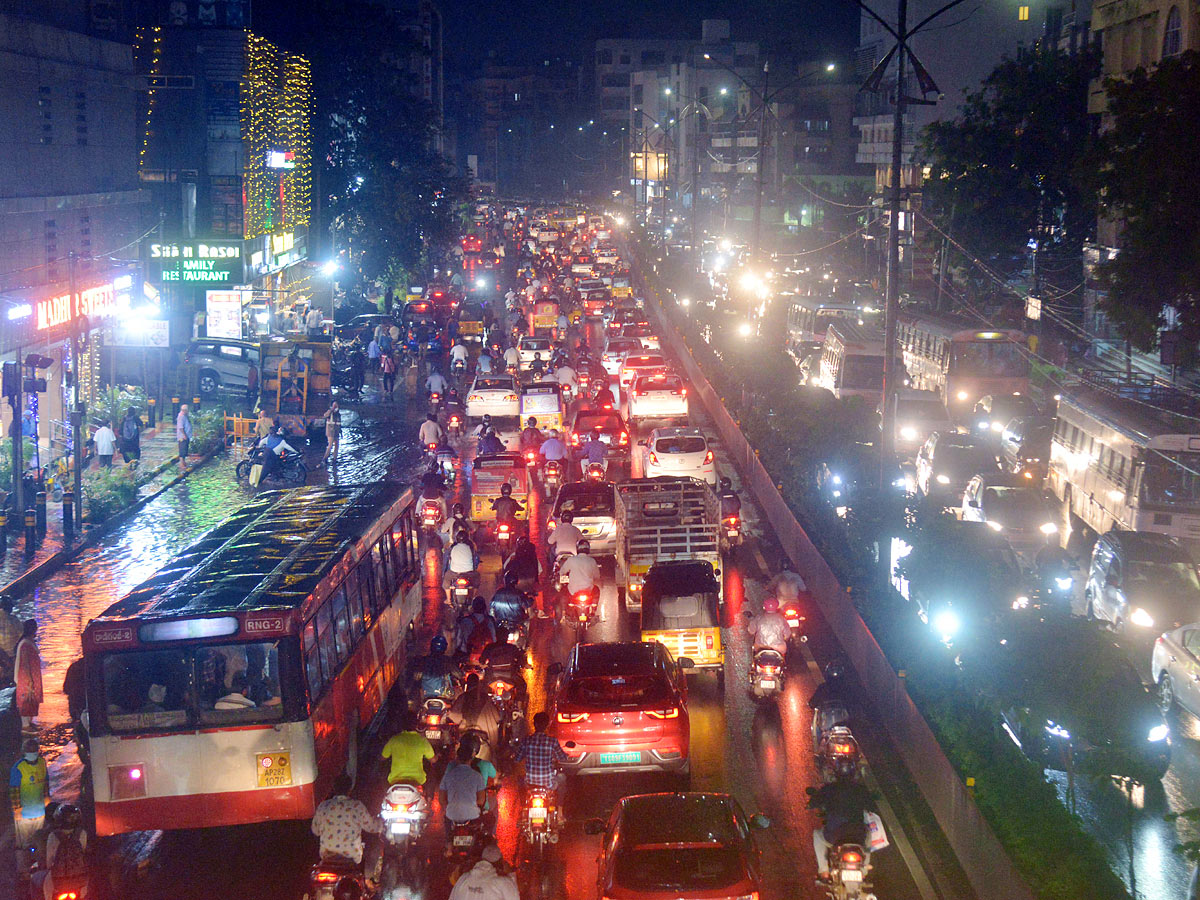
282, 243
281, 159
196, 262
95, 303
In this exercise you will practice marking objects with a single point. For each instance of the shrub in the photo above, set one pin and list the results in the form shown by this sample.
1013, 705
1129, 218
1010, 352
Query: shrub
108, 492
208, 430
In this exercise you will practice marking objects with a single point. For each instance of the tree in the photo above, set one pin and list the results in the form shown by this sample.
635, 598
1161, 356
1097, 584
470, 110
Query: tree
1149, 166
1013, 160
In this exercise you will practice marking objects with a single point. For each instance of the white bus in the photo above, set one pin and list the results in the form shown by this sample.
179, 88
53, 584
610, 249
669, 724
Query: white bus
1117, 461
960, 360
852, 361
808, 319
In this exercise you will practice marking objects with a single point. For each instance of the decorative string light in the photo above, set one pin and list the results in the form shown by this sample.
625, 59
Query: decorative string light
152, 66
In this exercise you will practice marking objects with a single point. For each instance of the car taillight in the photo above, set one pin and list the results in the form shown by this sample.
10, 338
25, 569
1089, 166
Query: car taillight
510, 397
708, 457
653, 458
663, 713
851, 859
624, 438
573, 717
574, 440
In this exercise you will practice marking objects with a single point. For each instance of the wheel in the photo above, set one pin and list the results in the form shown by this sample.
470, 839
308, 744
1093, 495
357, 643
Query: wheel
1166, 695
296, 473
242, 470
208, 383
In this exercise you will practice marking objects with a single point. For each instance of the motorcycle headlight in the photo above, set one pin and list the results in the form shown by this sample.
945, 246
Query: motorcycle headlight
943, 479
994, 525
946, 623
1064, 584
908, 433
1142, 618
1049, 528
1157, 733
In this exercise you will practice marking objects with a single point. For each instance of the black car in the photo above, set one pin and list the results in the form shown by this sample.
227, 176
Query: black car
363, 327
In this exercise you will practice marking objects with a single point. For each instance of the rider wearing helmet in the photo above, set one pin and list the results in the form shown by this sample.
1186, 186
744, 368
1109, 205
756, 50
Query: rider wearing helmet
509, 605
581, 570
565, 537
770, 631
787, 585
731, 503
505, 507
437, 672
832, 690
65, 855
482, 428
531, 437
457, 522
490, 443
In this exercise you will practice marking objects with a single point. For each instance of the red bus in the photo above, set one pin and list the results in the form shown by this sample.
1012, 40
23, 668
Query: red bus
232, 686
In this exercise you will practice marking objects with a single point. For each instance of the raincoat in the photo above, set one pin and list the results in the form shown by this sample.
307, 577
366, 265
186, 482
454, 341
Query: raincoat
28, 677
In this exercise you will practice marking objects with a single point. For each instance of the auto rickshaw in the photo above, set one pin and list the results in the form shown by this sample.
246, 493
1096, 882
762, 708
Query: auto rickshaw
544, 401
543, 316
680, 610
621, 287
488, 473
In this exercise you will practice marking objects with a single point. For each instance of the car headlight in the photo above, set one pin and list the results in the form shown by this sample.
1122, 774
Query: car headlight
908, 433
837, 479
1142, 618
994, 525
997, 427
1064, 584
963, 395
946, 623
943, 479
1158, 733
1021, 602
982, 426
480, 282
1049, 528
837, 493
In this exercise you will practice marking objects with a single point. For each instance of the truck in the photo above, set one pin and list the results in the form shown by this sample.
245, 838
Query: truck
294, 384
664, 520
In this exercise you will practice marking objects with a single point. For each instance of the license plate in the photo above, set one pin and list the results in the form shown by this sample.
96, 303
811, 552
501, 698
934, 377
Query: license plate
538, 813
433, 734
399, 828
852, 876
768, 683
464, 840
630, 756
274, 769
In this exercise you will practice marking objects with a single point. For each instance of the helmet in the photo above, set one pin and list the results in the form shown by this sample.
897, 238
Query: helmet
834, 671
438, 644
726, 484
67, 816
458, 511
568, 517
506, 489
583, 547
532, 422
771, 605
785, 565
460, 536
478, 605
487, 419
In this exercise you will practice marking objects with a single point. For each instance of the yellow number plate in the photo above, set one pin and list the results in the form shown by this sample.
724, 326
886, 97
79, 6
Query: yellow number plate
274, 769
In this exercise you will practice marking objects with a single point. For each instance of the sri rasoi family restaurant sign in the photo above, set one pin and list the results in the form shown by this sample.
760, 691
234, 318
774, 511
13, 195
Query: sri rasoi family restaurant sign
94, 303
211, 263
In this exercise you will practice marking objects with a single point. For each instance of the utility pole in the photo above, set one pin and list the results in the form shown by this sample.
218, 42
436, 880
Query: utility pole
76, 408
696, 195
18, 437
762, 159
887, 437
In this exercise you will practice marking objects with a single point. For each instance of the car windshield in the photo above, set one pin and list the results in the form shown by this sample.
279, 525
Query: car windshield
175, 687
1016, 505
1165, 577
996, 359
587, 503
654, 383
494, 384
631, 691
683, 443
963, 461
862, 372
1170, 479
640, 329
622, 346
535, 344
678, 867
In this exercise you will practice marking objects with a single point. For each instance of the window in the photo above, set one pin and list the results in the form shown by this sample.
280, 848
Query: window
614, 80
638, 92
230, 351
356, 604
341, 624
366, 585
312, 660
1173, 33
604, 57
653, 57
614, 103
329, 660
1022, 13
625, 59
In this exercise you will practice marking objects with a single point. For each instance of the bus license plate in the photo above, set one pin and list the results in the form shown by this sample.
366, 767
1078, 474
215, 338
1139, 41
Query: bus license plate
852, 876
610, 759
274, 769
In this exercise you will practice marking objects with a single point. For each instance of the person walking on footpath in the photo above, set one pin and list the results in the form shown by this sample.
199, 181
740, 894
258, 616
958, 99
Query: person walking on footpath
131, 435
183, 433
106, 444
333, 432
28, 675
28, 791
11, 630
387, 365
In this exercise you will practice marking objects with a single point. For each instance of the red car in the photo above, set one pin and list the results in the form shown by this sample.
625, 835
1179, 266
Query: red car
622, 707
667, 846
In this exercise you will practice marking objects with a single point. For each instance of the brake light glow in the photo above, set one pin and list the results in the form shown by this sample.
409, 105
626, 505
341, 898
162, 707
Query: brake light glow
66, 895
624, 438
842, 747
432, 720
538, 802
851, 859
708, 457
573, 717
663, 713
770, 670
653, 458
327, 877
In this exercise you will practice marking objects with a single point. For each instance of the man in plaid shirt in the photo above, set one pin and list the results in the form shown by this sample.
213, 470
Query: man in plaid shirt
540, 752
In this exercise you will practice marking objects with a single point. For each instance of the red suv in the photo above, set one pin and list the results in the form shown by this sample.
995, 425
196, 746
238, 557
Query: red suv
622, 707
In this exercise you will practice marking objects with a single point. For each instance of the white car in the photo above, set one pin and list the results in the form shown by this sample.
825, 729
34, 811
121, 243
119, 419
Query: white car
679, 452
636, 364
607, 256
615, 351
644, 333
661, 396
493, 395
529, 346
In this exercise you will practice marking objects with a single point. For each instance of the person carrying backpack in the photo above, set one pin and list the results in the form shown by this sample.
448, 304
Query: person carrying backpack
66, 854
131, 435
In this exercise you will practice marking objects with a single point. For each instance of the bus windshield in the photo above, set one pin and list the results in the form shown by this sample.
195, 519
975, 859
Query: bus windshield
1171, 479
990, 359
176, 687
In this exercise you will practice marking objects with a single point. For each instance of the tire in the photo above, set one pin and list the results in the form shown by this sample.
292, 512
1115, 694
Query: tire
1166, 696
242, 470
296, 473
208, 382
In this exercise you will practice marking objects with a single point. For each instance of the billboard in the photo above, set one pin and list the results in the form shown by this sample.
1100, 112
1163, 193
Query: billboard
211, 262
224, 314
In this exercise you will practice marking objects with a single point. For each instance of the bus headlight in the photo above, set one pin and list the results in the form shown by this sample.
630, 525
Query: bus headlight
1142, 618
908, 433
1049, 528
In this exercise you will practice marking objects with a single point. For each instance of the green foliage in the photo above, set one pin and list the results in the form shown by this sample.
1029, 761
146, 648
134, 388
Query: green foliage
1016, 153
112, 402
107, 492
1148, 171
208, 430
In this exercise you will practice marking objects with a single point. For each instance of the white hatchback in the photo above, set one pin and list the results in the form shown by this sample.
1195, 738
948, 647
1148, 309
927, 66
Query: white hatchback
678, 452
660, 396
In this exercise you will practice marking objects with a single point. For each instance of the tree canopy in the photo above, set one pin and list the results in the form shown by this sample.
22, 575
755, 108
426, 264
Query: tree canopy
1014, 155
1148, 170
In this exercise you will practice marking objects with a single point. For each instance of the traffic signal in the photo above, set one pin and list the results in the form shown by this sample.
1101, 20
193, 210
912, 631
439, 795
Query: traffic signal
11, 379
35, 385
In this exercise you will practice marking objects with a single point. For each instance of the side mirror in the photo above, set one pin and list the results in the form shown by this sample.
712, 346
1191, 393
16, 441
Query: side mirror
759, 821
974, 504
593, 826
641, 443
686, 662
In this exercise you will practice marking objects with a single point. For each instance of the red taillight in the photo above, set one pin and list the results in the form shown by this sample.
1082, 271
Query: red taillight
66, 895
503, 529
851, 859
432, 719
769, 670
841, 747
327, 877
708, 457
537, 802
708, 642
574, 440
572, 717
672, 713
653, 458
624, 438
462, 582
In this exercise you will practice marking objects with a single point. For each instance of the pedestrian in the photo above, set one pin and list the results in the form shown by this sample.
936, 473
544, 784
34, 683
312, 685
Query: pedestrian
263, 426
11, 630
394, 331
333, 432
312, 322
28, 791
106, 444
374, 353
28, 675
387, 365
131, 435
251, 384
183, 433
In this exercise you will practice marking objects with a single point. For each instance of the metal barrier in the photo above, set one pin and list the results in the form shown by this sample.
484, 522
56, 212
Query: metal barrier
239, 431
979, 852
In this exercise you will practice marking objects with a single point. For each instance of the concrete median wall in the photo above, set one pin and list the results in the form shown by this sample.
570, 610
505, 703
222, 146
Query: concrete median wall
980, 853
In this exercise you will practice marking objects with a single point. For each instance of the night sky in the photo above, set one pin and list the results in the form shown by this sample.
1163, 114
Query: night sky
521, 31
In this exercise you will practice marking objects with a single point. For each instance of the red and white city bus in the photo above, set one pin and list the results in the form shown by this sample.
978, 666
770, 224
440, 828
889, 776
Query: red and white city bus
231, 687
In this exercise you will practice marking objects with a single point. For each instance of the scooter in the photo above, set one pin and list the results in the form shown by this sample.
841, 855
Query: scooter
552, 475
461, 592
848, 868
839, 755
731, 528
404, 813
581, 608
594, 473
332, 878
288, 468
767, 673
435, 722
431, 515
506, 536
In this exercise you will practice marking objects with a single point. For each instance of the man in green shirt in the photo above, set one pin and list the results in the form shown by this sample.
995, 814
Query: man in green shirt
410, 753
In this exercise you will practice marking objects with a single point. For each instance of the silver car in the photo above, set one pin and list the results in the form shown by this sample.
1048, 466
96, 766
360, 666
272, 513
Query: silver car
222, 363
1175, 668
593, 510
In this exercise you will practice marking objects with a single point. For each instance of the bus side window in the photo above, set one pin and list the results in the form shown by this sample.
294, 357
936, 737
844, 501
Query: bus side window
312, 660
387, 572
329, 660
367, 591
341, 624
355, 603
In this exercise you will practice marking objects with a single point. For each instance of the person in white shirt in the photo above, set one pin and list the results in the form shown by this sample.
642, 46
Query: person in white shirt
106, 445
459, 354
436, 382
564, 539
312, 322
787, 585
581, 570
431, 431
486, 880
512, 357
567, 376
340, 822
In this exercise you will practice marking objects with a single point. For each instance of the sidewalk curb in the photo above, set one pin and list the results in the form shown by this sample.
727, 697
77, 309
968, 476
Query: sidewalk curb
22, 584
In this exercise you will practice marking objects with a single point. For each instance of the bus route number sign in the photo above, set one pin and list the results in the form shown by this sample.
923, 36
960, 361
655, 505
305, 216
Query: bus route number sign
274, 769
266, 625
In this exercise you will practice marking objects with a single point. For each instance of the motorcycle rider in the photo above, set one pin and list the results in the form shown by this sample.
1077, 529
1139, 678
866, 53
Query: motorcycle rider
437, 673
433, 486
473, 710
553, 447
510, 606
505, 507
431, 431
461, 559
474, 630
504, 661
539, 751
538, 366
592, 452
843, 805
489, 443
582, 571
786, 586
483, 427
531, 435
483, 365
65, 859
512, 358
524, 563
829, 702
436, 383
459, 354
604, 398
410, 753
770, 631
276, 446
565, 537
1052, 563
457, 521
487, 880
340, 822
463, 789
731, 503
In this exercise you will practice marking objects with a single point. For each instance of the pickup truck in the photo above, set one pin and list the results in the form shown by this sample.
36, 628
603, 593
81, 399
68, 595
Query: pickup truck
664, 520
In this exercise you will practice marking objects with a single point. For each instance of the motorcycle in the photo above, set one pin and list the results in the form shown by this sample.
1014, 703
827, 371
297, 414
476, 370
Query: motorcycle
435, 722
506, 536
540, 822
594, 472
791, 611
825, 718
518, 633
552, 475
461, 593
458, 367
731, 527
839, 755
581, 608
435, 400
431, 515
464, 842
454, 424
848, 868
445, 462
288, 468
404, 813
332, 877
766, 674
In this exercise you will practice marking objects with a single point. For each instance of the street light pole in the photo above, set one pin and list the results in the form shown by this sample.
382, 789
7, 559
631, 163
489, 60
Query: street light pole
761, 165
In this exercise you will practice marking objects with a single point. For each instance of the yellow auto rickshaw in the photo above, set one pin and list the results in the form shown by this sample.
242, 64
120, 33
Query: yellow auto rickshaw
543, 316
621, 287
488, 473
680, 610
544, 401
